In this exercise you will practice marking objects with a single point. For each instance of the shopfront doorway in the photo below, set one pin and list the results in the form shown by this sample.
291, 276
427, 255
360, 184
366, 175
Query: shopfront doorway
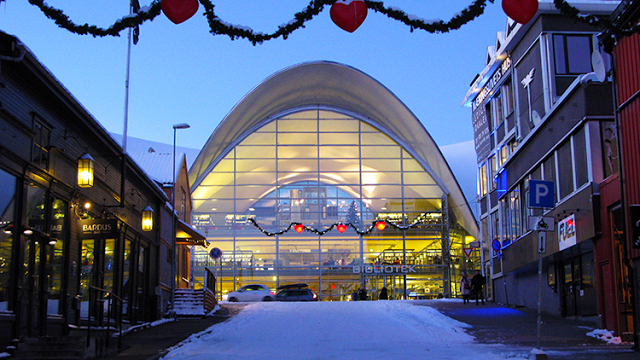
44, 238
579, 296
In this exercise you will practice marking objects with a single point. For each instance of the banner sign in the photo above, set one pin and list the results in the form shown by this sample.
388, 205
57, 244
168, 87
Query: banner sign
567, 232
98, 229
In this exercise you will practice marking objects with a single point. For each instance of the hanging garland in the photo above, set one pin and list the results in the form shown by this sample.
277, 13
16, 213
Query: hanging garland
220, 27
341, 227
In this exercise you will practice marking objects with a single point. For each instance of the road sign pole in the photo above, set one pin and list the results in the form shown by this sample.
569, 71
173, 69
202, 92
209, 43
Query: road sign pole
542, 239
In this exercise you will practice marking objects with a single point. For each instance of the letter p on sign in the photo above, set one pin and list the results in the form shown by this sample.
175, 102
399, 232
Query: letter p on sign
541, 194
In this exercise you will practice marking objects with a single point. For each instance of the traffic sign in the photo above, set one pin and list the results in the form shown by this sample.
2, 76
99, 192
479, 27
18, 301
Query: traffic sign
541, 194
467, 251
215, 253
541, 223
542, 242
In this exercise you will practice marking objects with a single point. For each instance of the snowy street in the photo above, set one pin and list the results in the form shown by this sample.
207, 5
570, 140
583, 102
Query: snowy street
336, 330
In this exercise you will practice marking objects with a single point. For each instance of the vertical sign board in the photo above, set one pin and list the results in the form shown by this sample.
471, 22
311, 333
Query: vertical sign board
541, 194
634, 211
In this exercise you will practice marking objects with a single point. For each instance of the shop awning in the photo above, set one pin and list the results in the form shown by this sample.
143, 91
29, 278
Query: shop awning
187, 235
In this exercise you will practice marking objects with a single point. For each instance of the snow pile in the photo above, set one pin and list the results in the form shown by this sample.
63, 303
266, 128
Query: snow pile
335, 330
143, 326
605, 335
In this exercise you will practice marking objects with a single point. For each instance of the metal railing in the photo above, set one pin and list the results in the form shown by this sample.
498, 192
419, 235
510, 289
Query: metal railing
98, 306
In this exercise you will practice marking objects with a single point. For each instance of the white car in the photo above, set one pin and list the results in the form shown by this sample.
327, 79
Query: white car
253, 292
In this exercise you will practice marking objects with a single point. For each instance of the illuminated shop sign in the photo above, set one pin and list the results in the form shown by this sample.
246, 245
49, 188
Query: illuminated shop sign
98, 229
384, 269
567, 232
493, 81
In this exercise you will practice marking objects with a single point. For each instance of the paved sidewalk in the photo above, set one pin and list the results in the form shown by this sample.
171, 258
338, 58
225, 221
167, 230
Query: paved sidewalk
510, 331
515, 331
153, 342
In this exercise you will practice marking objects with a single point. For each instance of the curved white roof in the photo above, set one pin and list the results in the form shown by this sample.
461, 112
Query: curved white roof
329, 84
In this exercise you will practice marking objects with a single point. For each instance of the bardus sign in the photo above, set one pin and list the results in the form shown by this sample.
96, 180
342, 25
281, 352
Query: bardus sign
384, 269
98, 229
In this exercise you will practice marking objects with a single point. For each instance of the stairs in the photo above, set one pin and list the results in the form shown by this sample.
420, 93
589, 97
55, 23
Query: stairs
54, 348
189, 302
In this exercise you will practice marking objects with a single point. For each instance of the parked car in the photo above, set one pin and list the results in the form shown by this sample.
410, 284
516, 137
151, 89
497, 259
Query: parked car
253, 292
295, 292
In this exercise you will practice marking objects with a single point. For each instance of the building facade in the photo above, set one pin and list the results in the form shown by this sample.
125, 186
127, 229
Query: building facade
291, 185
622, 41
74, 252
542, 111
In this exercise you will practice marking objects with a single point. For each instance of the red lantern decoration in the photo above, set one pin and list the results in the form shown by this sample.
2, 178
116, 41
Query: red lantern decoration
341, 227
381, 225
348, 14
520, 11
179, 10
298, 228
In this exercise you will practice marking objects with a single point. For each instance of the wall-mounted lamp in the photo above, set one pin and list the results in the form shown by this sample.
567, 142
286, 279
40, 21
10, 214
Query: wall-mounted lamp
147, 219
85, 171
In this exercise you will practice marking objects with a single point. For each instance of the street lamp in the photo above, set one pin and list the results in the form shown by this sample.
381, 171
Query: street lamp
173, 205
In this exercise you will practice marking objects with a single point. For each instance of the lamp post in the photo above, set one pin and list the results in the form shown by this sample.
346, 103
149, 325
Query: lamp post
173, 223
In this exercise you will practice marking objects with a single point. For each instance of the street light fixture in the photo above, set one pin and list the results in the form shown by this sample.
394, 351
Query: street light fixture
173, 205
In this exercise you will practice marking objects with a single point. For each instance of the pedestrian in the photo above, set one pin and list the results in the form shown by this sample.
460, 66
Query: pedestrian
465, 287
362, 294
354, 295
477, 282
383, 294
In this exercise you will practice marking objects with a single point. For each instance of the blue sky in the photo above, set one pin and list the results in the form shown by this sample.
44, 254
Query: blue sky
182, 73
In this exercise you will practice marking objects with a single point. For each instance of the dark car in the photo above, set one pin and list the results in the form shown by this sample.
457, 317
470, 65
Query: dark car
295, 292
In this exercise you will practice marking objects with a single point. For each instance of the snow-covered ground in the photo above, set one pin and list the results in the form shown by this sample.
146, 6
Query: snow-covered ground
335, 330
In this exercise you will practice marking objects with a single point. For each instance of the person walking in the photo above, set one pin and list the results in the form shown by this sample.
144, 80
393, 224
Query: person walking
477, 282
465, 287
362, 294
383, 294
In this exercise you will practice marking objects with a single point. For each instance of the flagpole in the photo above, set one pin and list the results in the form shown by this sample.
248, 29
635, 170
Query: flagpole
126, 90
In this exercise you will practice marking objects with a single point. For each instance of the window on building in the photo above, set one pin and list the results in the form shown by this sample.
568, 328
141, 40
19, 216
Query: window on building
609, 148
41, 144
504, 153
183, 205
7, 205
515, 211
549, 171
580, 157
483, 180
505, 214
572, 55
565, 167
507, 98
491, 165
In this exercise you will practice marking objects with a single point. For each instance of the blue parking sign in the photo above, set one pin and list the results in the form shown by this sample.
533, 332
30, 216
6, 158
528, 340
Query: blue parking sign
541, 194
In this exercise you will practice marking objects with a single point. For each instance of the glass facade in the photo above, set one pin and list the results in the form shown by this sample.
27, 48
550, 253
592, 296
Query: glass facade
321, 168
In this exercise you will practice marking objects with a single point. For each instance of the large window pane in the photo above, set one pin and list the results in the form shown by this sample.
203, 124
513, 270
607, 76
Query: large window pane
7, 207
565, 167
580, 158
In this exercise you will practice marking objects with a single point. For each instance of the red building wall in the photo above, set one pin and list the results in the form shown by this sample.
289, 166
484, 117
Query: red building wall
627, 63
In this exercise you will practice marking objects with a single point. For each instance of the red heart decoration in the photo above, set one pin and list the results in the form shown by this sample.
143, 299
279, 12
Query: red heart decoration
381, 225
341, 227
298, 228
520, 11
348, 14
179, 10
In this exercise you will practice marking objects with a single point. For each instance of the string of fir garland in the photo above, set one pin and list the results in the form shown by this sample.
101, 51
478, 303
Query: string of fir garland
567, 9
326, 230
219, 27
